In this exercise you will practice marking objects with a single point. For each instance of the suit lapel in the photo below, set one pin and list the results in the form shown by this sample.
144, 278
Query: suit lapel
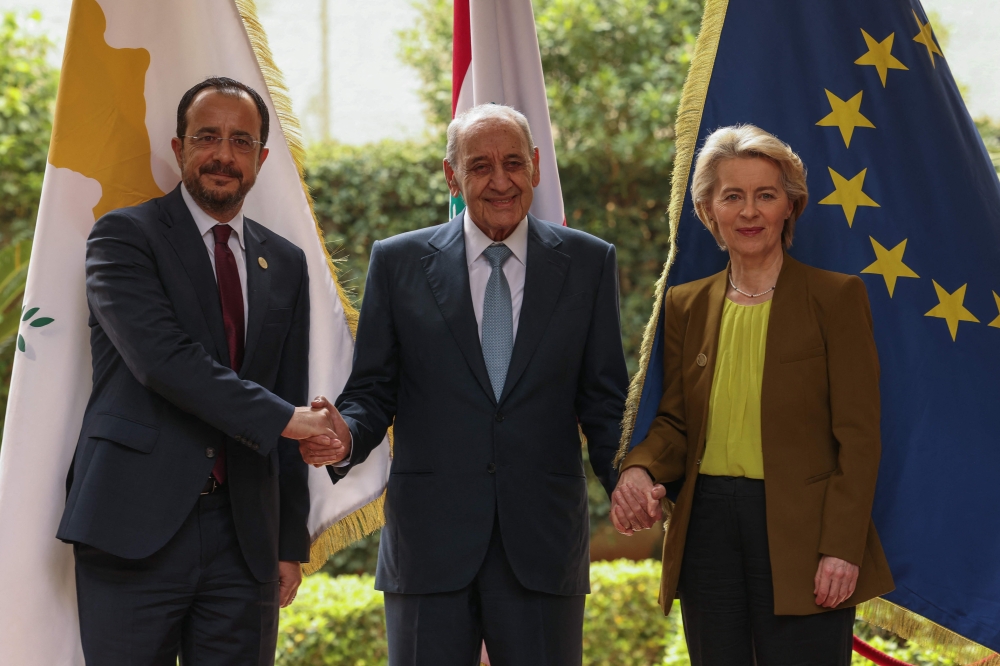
543, 281
787, 306
258, 288
448, 276
182, 233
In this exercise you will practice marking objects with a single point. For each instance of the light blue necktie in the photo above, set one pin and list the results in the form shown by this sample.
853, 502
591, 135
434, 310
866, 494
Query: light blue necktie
498, 319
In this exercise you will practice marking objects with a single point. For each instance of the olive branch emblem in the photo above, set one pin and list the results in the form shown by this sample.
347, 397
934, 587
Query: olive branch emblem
38, 322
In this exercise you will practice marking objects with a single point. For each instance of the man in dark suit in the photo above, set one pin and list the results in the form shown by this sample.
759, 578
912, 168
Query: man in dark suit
487, 341
186, 490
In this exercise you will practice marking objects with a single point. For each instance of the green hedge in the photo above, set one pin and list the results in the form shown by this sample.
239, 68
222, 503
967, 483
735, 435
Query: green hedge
340, 621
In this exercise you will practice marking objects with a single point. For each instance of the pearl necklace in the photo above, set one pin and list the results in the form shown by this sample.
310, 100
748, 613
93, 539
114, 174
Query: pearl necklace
740, 291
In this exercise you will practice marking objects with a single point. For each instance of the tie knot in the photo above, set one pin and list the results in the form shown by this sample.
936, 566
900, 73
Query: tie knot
222, 233
496, 254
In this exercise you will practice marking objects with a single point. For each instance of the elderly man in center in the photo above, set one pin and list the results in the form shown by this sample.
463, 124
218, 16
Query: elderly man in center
489, 342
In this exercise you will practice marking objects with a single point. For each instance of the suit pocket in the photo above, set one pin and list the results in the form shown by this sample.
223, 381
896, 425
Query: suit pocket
574, 301
137, 436
819, 477
803, 355
278, 316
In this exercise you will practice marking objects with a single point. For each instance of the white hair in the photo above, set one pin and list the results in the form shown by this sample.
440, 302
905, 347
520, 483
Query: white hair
483, 113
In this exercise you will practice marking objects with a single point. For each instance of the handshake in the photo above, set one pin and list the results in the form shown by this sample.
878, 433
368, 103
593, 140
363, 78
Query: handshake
635, 503
322, 433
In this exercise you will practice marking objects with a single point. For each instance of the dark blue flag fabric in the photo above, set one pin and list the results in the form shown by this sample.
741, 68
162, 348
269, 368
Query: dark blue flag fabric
902, 193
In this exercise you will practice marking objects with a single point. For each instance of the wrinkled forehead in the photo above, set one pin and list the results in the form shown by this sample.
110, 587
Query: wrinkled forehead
487, 137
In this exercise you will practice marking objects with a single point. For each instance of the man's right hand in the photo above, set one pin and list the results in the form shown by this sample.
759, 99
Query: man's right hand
323, 450
307, 422
635, 503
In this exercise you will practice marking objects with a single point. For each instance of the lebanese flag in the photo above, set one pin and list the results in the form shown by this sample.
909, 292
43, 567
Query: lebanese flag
496, 59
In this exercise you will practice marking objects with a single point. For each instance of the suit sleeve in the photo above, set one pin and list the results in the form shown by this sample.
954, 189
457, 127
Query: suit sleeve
292, 384
128, 299
663, 453
368, 401
853, 370
600, 398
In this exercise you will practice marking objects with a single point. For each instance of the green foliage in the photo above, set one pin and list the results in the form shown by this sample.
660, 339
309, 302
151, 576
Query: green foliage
365, 193
341, 621
426, 46
623, 624
27, 98
894, 646
361, 557
334, 621
13, 274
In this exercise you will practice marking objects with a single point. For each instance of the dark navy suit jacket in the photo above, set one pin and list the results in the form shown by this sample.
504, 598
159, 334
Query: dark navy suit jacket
460, 456
164, 399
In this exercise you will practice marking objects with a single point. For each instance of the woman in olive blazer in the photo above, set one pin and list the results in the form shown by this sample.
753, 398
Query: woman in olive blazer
818, 426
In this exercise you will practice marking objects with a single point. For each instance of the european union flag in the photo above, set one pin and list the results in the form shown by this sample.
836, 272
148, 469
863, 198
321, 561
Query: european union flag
903, 193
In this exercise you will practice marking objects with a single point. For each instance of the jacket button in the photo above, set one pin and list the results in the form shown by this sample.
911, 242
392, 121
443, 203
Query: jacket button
499, 418
701, 360
491, 468
210, 452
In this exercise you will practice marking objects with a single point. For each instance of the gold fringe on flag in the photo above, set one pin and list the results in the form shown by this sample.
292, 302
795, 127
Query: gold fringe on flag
370, 517
344, 532
925, 633
878, 612
686, 132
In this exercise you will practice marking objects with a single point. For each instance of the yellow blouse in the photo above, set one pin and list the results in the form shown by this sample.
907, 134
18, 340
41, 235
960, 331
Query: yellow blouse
732, 446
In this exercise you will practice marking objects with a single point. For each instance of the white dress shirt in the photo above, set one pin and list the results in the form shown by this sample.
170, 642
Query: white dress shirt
205, 223
479, 267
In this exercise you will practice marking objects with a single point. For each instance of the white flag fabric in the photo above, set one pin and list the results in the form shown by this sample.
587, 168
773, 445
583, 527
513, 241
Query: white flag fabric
126, 65
506, 68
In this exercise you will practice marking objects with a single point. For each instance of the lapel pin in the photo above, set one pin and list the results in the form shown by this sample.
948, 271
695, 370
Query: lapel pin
701, 360
263, 262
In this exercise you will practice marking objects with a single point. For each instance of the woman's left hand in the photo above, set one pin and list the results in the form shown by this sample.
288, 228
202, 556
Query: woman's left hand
835, 581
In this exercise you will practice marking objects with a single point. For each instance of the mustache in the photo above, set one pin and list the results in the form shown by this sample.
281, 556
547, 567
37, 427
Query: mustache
218, 168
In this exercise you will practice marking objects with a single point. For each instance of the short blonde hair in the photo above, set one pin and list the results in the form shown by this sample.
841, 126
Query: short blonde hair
747, 141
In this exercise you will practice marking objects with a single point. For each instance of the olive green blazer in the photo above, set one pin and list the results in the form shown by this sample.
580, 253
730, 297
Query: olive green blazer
819, 427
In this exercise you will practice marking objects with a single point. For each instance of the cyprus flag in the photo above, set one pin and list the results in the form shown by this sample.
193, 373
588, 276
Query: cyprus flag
126, 65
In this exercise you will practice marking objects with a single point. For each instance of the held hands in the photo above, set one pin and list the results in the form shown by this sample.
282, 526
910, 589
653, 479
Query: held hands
635, 503
324, 438
834, 581
322, 449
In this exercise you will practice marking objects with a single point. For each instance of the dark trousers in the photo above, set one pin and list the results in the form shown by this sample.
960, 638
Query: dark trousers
521, 627
195, 598
727, 594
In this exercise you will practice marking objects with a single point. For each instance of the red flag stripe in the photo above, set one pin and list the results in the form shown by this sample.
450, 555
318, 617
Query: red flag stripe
461, 54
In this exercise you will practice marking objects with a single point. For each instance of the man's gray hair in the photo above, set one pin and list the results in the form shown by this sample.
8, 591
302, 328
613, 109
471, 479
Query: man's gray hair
481, 113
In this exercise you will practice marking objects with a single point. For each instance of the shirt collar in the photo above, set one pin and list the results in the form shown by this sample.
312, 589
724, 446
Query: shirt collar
476, 241
205, 222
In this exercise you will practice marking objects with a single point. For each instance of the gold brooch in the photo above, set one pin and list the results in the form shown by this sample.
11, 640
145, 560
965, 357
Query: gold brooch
262, 262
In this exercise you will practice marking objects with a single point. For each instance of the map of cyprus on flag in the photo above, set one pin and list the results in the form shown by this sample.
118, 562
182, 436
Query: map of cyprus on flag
126, 65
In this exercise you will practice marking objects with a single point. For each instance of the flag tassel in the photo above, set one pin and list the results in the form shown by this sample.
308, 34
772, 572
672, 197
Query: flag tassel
686, 131
370, 517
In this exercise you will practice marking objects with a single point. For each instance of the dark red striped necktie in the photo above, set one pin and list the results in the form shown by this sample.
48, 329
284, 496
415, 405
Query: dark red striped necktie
231, 297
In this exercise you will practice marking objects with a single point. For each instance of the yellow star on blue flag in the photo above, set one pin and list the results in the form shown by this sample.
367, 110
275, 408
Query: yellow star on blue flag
922, 204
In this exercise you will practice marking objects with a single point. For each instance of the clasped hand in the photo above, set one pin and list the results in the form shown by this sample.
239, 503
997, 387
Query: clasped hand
635, 503
323, 435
